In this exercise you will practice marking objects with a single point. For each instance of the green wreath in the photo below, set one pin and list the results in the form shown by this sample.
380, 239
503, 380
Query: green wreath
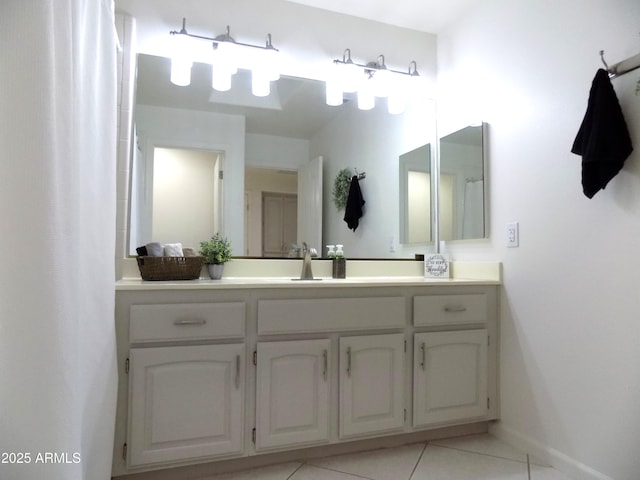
341, 188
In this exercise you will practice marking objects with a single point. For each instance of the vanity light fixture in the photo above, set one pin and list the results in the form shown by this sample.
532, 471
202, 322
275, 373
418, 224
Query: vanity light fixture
370, 80
226, 56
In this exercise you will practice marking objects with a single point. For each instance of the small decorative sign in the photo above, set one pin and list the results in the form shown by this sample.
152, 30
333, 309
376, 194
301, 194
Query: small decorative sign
436, 265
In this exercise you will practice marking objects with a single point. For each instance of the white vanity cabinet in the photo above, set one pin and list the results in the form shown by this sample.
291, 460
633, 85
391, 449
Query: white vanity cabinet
186, 402
292, 393
244, 374
372, 372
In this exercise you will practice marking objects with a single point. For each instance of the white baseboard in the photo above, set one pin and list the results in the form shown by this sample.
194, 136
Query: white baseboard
558, 460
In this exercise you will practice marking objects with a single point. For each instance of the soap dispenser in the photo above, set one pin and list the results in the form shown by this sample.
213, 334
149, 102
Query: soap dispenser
331, 252
339, 269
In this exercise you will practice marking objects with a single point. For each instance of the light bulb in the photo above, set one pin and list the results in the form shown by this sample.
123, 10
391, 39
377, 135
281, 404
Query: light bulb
220, 79
349, 75
366, 99
181, 60
180, 72
270, 63
260, 84
224, 57
334, 95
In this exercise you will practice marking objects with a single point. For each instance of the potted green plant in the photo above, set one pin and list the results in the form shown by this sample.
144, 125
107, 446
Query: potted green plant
216, 253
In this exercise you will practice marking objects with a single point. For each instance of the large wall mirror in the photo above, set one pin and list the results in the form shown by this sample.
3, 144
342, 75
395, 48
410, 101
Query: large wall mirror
242, 161
462, 199
462, 189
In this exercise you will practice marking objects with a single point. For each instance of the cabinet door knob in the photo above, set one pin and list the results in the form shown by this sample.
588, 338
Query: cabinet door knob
423, 362
349, 362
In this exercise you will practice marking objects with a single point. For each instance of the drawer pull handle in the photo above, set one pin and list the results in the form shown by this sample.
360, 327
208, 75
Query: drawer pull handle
423, 362
455, 309
325, 361
349, 362
191, 321
237, 372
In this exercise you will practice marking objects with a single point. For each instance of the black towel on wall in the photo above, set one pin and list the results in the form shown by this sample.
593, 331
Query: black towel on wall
355, 202
603, 139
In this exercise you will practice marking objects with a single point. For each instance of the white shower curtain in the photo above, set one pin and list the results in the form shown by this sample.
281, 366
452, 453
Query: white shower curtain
57, 223
473, 213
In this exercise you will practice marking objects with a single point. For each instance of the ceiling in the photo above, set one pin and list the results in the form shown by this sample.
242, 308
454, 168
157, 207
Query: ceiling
430, 16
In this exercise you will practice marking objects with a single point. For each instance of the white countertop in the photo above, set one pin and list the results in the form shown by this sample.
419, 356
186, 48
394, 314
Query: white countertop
280, 282
463, 273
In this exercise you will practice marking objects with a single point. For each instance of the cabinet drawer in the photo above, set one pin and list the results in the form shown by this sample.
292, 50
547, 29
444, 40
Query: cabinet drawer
152, 323
335, 314
450, 309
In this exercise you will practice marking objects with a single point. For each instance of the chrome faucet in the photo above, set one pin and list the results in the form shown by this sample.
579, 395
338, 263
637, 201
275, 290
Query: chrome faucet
306, 273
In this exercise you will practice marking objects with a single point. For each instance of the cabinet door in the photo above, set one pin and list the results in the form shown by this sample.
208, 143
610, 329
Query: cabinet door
186, 402
371, 384
292, 393
450, 377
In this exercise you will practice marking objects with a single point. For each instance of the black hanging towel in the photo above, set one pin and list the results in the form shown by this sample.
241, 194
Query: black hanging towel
603, 139
355, 202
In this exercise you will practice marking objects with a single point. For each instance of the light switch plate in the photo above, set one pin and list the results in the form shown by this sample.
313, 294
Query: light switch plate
513, 234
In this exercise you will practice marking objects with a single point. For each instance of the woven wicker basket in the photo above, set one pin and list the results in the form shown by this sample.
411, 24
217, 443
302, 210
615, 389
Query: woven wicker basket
170, 268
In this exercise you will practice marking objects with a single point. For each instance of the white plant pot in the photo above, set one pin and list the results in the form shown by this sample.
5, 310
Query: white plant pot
215, 270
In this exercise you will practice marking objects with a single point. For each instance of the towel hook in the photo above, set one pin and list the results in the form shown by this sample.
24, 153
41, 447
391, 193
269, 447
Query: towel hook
603, 60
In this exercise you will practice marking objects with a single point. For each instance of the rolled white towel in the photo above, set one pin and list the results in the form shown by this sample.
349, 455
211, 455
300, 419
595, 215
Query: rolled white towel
155, 249
173, 250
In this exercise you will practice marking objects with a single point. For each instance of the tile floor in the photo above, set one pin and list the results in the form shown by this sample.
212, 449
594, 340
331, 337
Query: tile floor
475, 457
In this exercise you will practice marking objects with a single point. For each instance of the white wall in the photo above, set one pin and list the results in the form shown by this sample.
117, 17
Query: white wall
269, 151
570, 347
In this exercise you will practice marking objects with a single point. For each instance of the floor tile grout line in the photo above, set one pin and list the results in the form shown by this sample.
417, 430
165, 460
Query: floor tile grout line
362, 476
424, 449
334, 470
295, 471
490, 455
345, 473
